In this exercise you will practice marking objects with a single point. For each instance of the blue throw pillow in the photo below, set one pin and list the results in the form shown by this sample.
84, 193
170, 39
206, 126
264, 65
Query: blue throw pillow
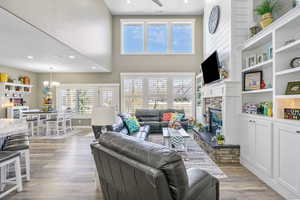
132, 125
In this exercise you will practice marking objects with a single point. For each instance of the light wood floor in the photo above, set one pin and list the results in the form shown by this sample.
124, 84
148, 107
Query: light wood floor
63, 169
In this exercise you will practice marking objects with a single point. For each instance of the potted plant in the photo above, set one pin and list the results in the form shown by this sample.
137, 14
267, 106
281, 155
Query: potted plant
219, 138
265, 10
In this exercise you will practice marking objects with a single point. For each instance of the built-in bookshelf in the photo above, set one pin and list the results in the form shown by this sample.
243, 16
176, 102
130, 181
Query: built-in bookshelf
274, 48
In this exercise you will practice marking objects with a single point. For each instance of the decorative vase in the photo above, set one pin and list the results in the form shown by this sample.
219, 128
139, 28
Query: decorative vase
266, 20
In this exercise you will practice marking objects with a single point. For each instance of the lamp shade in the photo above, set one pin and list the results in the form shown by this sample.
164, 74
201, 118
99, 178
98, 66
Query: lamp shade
103, 115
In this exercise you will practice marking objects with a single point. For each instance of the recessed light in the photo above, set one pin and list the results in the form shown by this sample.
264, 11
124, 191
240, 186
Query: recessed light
71, 57
128, 1
186, 1
94, 67
30, 57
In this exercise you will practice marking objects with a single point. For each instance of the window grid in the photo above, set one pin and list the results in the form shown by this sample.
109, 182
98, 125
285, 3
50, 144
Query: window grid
170, 91
170, 36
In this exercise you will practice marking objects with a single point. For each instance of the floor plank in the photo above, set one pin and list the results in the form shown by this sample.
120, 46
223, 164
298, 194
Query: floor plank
64, 169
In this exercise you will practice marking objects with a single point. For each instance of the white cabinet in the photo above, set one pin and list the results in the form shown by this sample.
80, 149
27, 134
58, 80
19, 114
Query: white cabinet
286, 156
256, 145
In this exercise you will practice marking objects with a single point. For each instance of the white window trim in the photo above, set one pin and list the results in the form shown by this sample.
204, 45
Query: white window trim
169, 23
75, 86
124, 76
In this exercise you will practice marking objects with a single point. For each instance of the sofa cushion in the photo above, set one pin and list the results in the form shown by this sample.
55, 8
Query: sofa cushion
147, 119
164, 124
146, 113
154, 155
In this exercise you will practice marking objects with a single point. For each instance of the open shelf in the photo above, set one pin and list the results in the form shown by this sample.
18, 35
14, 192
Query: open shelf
257, 116
288, 71
267, 63
288, 96
292, 46
258, 91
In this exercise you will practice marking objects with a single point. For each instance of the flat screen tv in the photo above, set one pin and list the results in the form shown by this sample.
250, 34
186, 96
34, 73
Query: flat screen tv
210, 68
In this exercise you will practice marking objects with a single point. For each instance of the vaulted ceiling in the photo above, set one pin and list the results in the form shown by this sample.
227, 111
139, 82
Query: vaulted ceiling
148, 7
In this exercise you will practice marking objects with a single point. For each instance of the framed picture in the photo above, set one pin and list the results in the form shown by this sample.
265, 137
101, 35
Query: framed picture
290, 113
251, 61
260, 59
293, 88
252, 80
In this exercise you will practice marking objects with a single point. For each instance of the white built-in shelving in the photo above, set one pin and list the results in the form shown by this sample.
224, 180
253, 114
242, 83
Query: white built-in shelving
266, 140
14, 90
258, 91
264, 64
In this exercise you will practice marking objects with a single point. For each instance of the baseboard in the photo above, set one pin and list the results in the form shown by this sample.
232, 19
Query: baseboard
271, 182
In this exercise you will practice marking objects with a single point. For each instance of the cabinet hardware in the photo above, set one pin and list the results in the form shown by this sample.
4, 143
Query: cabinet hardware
250, 120
298, 132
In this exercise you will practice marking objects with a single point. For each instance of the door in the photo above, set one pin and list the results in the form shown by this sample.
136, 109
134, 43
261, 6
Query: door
263, 146
286, 156
247, 144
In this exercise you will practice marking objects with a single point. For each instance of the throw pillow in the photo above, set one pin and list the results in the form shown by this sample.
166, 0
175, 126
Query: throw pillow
173, 116
132, 125
179, 116
167, 116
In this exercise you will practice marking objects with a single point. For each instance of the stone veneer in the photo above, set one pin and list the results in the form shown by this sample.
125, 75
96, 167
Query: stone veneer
213, 102
221, 154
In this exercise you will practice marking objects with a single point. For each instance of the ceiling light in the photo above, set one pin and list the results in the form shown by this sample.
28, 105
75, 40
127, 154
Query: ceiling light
71, 57
94, 67
30, 57
128, 1
186, 1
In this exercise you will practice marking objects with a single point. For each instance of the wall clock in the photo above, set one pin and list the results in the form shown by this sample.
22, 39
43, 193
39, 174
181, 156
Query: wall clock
214, 19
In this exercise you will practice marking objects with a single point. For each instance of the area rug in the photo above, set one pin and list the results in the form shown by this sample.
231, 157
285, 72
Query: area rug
195, 157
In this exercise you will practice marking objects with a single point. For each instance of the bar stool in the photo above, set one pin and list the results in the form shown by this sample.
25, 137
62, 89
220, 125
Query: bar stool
7, 158
68, 121
32, 121
56, 124
20, 145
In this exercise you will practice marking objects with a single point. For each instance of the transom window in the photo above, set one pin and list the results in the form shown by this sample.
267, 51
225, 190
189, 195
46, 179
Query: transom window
158, 91
157, 36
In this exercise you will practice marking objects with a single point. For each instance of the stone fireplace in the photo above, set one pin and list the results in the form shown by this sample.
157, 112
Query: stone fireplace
222, 100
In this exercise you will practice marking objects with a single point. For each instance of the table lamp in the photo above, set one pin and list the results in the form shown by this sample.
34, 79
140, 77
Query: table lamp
103, 117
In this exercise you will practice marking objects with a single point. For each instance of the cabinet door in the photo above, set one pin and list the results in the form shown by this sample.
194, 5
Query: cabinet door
263, 146
286, 156
247, 134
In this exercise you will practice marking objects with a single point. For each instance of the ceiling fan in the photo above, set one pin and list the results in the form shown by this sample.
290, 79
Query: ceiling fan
158, 3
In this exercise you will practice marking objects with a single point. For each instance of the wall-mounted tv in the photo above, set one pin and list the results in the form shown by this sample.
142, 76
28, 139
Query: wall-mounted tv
210, 68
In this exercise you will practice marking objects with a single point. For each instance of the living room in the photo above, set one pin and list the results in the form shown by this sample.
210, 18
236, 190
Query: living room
152, 99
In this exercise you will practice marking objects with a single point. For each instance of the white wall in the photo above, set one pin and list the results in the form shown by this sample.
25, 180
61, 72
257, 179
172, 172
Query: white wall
84, 25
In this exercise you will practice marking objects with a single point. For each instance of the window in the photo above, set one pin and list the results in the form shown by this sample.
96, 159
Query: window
157, 36
158, 91
182, 38
133, 35
80, 99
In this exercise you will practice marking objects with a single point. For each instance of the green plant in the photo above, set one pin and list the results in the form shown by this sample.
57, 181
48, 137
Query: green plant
220, 137
267, 6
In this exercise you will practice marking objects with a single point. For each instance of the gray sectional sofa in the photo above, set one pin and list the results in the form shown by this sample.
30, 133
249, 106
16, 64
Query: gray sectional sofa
154, 119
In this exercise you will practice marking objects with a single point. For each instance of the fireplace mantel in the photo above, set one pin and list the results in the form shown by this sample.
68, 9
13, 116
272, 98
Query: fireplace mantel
225, 88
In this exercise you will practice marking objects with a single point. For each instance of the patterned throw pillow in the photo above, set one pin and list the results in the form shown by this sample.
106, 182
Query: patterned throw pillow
179, 116
132, 125
167, 116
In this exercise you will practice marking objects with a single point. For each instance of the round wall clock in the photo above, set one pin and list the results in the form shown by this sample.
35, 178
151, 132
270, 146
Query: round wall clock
295, 62
214, 18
